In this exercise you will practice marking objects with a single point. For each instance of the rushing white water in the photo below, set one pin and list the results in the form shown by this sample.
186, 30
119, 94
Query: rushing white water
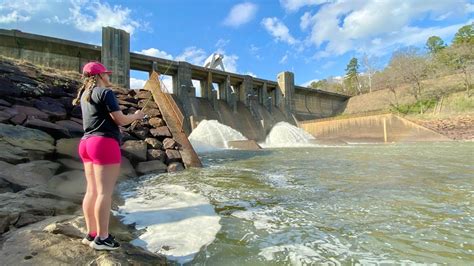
284, 134
211, 135
177, 222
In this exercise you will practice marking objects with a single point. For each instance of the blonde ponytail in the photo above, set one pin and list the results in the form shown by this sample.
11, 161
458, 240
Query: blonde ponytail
87, 86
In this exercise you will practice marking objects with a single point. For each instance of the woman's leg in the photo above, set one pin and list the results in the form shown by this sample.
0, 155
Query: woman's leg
105, 177
88, 204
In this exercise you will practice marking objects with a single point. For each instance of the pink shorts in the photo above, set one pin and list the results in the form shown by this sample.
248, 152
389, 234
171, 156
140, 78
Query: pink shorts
100, 150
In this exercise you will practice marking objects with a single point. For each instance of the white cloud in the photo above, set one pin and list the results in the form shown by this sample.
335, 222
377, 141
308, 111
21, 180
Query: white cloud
305, 20
307, 83
278, 30
284, 59
156, 53
328, 64
295, 5
250, 74
167, 83
137, 83
241, 14
13, 17
192, 55
221, 43
91, 16
344, 26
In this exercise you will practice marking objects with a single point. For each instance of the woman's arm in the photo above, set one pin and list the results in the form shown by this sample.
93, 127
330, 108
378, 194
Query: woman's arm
123, 120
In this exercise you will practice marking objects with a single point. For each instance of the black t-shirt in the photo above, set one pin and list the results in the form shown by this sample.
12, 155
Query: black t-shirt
96, 114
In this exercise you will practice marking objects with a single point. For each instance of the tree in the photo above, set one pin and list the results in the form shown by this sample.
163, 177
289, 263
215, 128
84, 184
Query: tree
320, 84
410, 66
352, 75
465, 35
369, 67
434, 44
462, 59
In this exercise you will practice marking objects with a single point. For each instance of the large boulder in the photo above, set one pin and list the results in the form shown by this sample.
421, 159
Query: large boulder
30, 174
75, 129
143, 94
152, 112
31, 112
154, 143
126, 169
57, 241
161, 132
141, 132
5, 103
70, 185
68, 147
18, 119
175, 167
12, 154
173, 156
7, 88
32, 209
169, 143
71, 164
56, 131
4, 116
155, 154
151, 167
27, 138
135, 150
156, 122
53, 108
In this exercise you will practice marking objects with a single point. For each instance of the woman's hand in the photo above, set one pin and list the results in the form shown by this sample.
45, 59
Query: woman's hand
139, 115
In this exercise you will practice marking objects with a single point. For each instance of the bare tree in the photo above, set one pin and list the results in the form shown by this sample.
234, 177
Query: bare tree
410, 66
369, 65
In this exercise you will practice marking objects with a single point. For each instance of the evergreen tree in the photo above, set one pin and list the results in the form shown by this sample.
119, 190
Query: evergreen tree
434, 44
465, 35
352, 75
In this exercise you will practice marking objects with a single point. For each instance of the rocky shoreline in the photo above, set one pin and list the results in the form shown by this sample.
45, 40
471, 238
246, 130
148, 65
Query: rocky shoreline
42, 179
459, 127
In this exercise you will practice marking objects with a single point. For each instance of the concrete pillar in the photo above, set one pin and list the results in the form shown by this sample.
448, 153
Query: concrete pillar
266, 101
206, 86
286, 87
222, 91
245, 89
182, 81
214, 100
115, 55
231, 96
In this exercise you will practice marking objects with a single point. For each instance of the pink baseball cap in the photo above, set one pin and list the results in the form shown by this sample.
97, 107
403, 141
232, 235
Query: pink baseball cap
94, 68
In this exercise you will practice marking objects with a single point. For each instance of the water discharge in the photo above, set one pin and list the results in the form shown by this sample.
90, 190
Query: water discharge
284, 134
210, 135
398, 204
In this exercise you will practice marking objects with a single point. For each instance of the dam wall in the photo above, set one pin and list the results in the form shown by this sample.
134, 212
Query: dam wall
249, 104
371, 129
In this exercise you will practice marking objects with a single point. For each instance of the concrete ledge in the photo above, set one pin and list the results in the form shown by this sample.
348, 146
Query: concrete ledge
250, 145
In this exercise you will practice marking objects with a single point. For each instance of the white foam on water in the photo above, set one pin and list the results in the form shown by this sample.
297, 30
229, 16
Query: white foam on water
177, 222
297, 254
262, 218
210, 135
284, 134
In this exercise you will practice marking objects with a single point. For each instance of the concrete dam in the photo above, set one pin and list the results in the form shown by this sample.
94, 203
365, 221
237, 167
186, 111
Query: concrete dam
248, 104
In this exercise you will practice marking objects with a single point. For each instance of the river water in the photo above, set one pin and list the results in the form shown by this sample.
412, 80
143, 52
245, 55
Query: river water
348, 204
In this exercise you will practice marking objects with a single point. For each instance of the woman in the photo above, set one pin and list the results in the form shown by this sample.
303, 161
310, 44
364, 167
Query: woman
100, 151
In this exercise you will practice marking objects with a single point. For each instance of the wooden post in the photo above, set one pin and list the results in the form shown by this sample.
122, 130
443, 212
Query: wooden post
385, 129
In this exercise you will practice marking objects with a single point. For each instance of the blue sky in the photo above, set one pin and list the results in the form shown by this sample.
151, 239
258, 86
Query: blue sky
314, 39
